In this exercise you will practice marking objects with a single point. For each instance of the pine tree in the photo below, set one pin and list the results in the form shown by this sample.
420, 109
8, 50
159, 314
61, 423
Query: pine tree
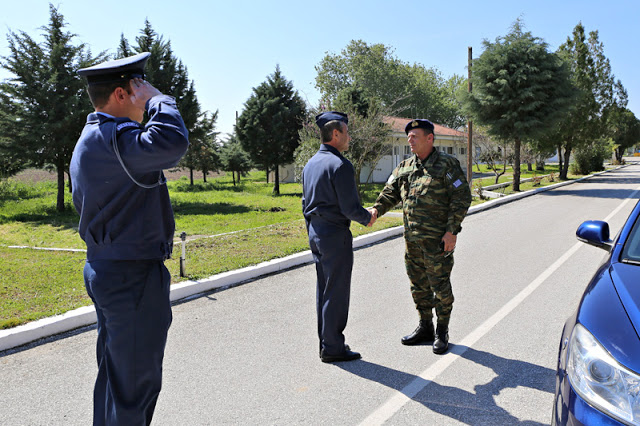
519, 90
44, 104
124, 50
234, 159
597, 94
268, 127
165, 72
203, 153
625, 130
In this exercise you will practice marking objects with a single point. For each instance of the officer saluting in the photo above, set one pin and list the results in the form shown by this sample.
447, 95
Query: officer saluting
329, 202
126, 221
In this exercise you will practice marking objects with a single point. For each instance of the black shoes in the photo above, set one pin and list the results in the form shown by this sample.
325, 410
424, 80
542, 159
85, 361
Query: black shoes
441, 343
347, 355
423, 334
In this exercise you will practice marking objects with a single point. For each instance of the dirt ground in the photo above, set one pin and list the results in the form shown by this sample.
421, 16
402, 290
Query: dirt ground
38, 175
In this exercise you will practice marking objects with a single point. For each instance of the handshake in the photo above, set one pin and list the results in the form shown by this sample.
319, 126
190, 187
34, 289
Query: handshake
374, 215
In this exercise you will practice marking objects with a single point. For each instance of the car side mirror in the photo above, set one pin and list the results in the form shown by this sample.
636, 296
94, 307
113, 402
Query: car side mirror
595, 233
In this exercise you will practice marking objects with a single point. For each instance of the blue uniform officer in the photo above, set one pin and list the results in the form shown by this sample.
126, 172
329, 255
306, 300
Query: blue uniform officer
127, 223
329, 202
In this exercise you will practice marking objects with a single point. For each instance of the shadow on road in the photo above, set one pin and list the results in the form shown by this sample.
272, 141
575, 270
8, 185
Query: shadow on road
472, 408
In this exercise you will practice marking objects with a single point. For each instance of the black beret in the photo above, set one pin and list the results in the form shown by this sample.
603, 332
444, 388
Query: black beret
117, 70
325, 117
419, 123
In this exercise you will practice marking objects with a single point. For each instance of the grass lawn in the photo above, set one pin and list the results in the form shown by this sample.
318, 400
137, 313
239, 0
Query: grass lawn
508, 175
35, 284
228, 227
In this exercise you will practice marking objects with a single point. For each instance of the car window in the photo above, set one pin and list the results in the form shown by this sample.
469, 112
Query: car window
631, 249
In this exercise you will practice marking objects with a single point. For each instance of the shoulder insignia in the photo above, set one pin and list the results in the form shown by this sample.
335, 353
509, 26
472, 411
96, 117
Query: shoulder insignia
391, 179
127, 124
457, 183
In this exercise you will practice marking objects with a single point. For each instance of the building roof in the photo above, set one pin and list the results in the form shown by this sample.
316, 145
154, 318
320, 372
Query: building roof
398, 124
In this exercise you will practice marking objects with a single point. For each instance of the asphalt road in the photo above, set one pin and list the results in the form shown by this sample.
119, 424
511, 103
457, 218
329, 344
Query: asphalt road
248, 355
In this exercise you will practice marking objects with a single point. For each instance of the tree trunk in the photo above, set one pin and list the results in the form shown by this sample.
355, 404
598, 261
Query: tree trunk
276, 180
204, 176
564, 172
357, 169
70, 184
619, 155
267, 170
516, 165
191, 175
60, 200
369, 176
529, 166
560, 157
233, 176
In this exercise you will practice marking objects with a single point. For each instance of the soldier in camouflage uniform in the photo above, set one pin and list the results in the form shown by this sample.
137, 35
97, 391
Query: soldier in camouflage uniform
435, 198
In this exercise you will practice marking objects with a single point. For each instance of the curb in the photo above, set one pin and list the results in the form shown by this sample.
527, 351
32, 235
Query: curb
85, 316
513, 197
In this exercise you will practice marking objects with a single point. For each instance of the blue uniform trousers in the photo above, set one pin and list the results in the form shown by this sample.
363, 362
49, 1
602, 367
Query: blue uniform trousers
332, 249
134, 314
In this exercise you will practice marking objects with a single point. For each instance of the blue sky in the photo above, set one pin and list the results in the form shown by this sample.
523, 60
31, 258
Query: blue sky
229, 47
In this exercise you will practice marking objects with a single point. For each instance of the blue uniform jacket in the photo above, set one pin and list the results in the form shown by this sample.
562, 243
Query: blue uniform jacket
329, 190
120, 220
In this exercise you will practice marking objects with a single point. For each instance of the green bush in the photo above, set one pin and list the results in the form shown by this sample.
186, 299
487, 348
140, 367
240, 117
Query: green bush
12, 190
590, 158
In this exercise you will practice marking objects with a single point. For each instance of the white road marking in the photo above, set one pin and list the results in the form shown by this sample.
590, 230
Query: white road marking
397, 401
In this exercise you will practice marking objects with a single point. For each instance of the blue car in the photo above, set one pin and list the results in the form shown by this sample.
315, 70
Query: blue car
598, 375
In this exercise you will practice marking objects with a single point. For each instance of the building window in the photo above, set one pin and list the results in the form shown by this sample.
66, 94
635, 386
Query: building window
463, 151
450, 150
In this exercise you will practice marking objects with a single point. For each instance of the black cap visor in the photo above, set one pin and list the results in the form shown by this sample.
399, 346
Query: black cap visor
115, 77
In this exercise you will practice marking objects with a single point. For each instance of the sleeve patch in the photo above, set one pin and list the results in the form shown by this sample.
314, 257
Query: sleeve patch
457, 183
127, 124
391, 179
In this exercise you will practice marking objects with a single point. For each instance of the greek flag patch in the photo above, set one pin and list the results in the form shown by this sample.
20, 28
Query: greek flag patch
457, 183
127, 124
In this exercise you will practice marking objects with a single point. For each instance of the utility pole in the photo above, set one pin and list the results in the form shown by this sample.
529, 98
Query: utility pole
469, 132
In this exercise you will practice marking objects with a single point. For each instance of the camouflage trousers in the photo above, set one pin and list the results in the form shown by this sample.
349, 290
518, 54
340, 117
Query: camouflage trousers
429, 272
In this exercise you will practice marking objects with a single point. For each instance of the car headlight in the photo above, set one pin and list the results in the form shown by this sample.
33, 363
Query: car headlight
600, 380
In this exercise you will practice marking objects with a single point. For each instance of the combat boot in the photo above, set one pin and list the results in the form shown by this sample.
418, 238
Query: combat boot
441, 344
422, 334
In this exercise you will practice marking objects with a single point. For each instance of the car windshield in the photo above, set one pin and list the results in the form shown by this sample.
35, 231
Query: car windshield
631, 250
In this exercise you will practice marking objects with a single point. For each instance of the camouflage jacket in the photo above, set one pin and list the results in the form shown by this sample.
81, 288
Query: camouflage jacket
434, 193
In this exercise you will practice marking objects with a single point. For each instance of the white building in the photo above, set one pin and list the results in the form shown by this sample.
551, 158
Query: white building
450, 141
